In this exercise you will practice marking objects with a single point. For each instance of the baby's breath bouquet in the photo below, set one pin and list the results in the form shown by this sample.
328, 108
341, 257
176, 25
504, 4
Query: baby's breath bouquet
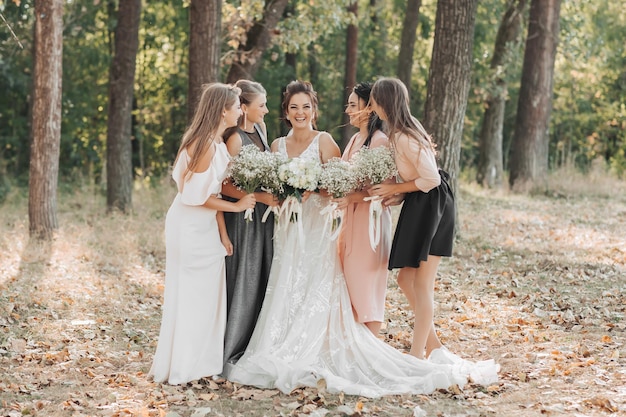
373, 166
252, 170
338, 179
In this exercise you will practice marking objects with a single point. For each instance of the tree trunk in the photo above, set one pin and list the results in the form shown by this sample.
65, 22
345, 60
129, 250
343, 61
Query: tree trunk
379, 54
205, 25
352, 45
121, 87
490, 162
529, 150
407, 44
46, 119
258, 40
449, 80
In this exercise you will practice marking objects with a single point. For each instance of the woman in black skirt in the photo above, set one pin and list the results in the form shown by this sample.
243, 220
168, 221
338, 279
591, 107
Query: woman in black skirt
425, 228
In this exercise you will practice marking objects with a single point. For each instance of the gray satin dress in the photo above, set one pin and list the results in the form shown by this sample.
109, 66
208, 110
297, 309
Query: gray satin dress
248, 269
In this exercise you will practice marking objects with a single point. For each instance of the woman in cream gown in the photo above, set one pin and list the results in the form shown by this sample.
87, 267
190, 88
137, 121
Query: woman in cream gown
306, 330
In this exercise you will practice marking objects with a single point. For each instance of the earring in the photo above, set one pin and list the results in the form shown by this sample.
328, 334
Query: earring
245, 121
224, 120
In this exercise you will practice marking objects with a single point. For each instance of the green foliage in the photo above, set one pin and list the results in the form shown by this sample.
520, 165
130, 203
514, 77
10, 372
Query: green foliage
588, 117
15, 72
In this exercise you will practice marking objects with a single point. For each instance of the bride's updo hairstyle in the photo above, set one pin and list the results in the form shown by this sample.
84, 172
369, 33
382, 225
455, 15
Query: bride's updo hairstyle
297, 87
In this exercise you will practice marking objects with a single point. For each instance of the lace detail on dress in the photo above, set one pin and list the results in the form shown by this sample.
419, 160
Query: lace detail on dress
306, 330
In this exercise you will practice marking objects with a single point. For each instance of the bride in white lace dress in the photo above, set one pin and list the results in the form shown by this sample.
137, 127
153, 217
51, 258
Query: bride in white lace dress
306, 330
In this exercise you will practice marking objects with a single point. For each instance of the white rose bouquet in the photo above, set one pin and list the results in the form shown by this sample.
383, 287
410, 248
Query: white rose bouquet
373, 166
338, 179
297, 176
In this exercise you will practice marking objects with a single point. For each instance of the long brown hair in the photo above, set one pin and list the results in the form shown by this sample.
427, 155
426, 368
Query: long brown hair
297, 87
392, 96
215, 98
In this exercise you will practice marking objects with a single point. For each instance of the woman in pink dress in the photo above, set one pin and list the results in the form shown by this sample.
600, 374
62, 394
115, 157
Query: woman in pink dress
365, 269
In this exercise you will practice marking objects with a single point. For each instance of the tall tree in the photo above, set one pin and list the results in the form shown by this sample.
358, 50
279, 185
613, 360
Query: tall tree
529, 150
490, 162
407, 42
205, 25
46, 118
449, 79
258, 39
352, 46
121, 86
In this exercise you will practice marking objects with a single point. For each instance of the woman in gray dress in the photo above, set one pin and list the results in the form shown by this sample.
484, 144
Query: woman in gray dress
248, 268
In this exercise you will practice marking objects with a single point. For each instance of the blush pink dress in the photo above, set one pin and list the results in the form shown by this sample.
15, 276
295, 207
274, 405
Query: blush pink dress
365, 270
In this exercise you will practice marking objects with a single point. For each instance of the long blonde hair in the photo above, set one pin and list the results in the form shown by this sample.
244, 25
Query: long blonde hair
392, 96
250, 90
202, 130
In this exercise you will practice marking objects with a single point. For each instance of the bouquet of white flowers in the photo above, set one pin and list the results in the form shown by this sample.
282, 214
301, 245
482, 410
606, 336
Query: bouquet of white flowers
251, 170
297, 176
373, 166
338, 179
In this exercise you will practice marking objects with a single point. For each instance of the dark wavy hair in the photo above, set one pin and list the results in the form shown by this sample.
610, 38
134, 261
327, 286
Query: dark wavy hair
363, 91
297, 87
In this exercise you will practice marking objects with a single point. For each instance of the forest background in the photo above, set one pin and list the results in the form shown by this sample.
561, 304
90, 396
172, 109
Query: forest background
537, 277
309, 42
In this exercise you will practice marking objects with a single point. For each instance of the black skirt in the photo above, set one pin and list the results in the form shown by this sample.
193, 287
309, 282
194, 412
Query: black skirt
425, 226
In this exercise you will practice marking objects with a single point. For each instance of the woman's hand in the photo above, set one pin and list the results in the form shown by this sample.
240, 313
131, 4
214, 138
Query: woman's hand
246, 202
306, 195
385, 191
266, 198
342, 202
228, 245
394, 200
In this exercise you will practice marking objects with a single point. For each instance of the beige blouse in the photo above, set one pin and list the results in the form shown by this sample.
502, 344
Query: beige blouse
416, 163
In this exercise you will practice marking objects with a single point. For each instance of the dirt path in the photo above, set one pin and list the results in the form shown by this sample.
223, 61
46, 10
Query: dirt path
537, 283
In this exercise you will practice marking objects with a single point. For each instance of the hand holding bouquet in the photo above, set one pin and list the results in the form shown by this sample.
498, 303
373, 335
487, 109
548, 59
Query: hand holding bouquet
338, 179
251, 170
373, 166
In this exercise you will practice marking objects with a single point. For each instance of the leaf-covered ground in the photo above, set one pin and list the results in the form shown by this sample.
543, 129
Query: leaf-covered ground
537, 283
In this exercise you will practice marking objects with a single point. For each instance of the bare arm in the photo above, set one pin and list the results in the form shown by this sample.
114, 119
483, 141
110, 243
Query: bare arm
221, 225
328, 148
234, 144
216, 203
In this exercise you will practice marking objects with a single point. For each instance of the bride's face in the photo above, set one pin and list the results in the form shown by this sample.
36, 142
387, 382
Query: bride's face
300, 111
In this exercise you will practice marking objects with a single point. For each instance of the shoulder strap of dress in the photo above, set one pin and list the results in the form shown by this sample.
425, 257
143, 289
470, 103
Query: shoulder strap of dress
245, 139
262, 136
282, 147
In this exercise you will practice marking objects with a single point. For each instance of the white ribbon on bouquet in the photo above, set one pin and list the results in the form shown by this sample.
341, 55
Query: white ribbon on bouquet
333, 218
248, 215
268, 210
375, 223
291, 209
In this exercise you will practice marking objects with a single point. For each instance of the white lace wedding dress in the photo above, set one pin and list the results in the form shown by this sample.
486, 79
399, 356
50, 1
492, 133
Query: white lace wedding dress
306, 330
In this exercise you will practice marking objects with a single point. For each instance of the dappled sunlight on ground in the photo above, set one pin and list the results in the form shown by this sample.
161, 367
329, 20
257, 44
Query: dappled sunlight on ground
535, 283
